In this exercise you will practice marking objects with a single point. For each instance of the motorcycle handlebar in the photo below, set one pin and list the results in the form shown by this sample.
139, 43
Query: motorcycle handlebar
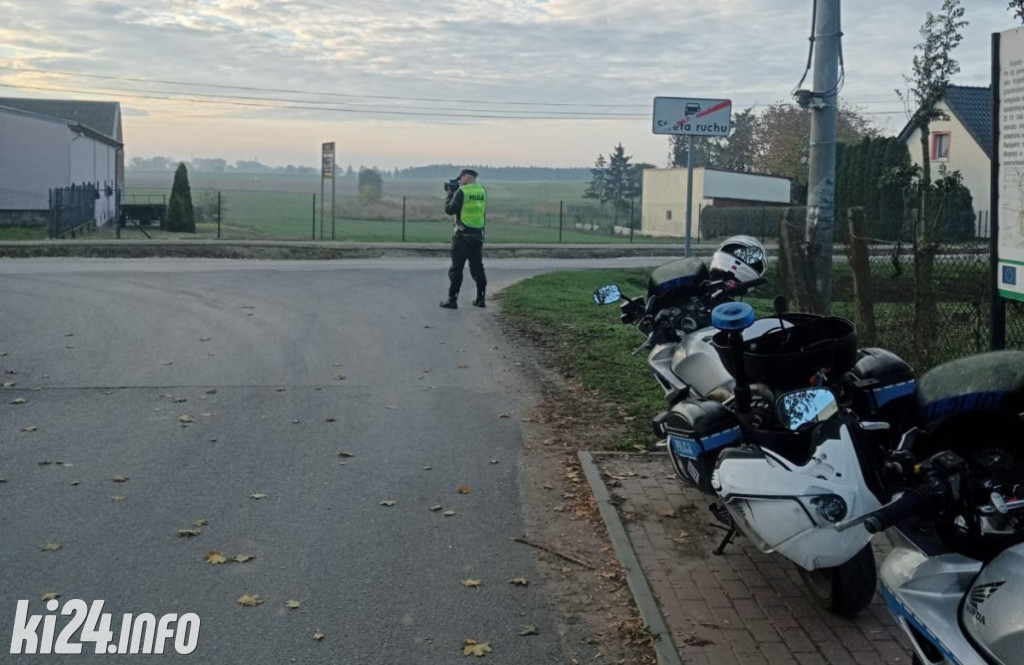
906, 505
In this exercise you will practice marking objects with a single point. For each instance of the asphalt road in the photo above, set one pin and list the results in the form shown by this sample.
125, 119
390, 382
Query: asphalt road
103, 351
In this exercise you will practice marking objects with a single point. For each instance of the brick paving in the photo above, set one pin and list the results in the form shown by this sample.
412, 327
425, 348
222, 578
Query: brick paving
742, 608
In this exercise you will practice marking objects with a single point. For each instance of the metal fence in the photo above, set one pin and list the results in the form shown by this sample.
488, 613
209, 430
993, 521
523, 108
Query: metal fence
72, 209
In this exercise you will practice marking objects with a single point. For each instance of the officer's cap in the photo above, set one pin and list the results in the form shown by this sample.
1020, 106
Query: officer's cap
467, 172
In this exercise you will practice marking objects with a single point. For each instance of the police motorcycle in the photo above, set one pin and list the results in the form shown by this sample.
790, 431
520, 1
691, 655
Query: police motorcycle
675, 316
801, 445
954, 580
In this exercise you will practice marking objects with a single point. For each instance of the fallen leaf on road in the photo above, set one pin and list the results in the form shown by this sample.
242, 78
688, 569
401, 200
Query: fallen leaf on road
30, 428
427, 468
51, 596
258, 496
293, 604
18, 400
448, 513
463, 366
281, 390
250, 600
50, 547
465, 489
200, 523
330, 420
391, 406
215, 558
474, 648
388, 503
9, 384
73, 483
69, 346
528, 630
339, 377
668, 512
211, 391
318, 636
167, 363
186, 418
494, 461
204, 339
505, 415
346, 454
436, 508
120, 479
428, 327
472, 583
519, 581
119, 499
243, 558
188, 533
179, 400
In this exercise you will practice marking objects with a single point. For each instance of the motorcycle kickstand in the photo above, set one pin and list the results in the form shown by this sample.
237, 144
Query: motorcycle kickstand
729, 535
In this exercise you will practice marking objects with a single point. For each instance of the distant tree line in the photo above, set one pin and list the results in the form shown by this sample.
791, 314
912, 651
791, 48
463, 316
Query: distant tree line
503, 173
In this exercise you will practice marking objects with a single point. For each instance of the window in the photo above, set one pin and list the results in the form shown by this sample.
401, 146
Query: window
668, 215
940, 145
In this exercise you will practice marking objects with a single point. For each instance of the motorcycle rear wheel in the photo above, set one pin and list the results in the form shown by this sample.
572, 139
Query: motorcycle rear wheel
847, 589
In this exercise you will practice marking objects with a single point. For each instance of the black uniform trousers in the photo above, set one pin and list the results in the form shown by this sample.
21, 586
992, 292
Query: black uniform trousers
467, 247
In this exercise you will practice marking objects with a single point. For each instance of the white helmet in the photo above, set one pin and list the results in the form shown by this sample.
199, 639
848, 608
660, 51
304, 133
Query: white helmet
741, 257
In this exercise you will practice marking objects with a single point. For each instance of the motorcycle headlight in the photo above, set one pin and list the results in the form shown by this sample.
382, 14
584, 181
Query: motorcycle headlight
831, 508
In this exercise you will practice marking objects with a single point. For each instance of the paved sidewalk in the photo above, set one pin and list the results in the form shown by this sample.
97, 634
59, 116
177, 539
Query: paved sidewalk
742, 608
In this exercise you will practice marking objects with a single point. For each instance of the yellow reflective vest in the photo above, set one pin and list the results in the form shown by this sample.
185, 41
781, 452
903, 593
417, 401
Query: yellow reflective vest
474, 206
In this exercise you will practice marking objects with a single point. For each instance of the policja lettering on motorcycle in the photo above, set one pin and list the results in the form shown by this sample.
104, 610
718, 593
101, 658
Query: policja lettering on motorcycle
467, 200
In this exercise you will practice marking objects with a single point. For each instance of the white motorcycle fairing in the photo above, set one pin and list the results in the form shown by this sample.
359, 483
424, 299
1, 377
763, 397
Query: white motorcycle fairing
781, 506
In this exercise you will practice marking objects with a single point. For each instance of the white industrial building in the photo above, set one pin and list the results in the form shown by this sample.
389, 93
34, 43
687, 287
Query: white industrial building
50, 144
664, 196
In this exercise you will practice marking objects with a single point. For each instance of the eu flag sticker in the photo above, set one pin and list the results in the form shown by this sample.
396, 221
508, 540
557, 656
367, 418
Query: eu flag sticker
1010, 275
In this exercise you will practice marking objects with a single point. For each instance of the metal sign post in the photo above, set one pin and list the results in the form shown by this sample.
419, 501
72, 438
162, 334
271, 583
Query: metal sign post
691, 117
327, 171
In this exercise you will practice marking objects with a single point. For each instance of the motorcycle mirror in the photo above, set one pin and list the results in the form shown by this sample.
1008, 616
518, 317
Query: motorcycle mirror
781, 305
803, 407
608, 294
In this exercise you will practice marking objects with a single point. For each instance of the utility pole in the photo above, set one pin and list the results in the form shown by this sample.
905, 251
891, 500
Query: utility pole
821, 195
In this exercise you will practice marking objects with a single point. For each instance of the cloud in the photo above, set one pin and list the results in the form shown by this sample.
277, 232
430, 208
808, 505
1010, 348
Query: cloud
565, 51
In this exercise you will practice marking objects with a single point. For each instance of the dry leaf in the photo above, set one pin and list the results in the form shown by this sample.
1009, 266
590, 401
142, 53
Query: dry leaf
281, 390
50, 547
258, 496
318, 636
330, 420
186, 419
9, 384
463, 366
243, 558
474, 648
292, 604
51, 596
519, 581
19, 400
668, 512
215, 558
505, 415
167, 363
250, 600
427, 468
179, 400
388, 503
436, 508
339, 377
204, 339
448, 513
188, 533
494, 461
336, 364
211, 391
30, 428
200, 523
472, 583
528, 630
465, 489
119, 499
345, 454
120, 479
73, 483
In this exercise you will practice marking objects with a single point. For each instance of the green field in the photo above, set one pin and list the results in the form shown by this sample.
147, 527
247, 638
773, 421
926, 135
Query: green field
281, 206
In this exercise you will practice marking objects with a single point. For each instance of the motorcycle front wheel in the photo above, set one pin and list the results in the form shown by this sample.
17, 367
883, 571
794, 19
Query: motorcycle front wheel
847, 589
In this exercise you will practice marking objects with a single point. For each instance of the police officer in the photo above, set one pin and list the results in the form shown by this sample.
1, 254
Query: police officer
469, 205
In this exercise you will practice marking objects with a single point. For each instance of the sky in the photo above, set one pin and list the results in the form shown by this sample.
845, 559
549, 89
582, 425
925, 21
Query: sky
396, 83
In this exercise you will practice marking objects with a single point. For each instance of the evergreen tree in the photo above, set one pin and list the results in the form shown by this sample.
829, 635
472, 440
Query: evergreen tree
371, 185
596, 187
1017, 7
180, 216
618, 181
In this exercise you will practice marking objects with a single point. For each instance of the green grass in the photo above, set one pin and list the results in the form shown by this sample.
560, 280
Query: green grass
23, 233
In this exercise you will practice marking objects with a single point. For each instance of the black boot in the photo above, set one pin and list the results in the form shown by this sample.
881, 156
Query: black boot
479, 302
451, 303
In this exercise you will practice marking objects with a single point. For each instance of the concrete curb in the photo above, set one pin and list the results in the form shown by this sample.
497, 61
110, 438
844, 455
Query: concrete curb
666, 649
271, 249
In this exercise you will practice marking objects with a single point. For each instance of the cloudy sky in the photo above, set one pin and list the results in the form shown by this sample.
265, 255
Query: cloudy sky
403, 82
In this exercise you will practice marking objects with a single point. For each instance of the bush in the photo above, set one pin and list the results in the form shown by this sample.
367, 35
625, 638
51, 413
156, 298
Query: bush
180, 214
